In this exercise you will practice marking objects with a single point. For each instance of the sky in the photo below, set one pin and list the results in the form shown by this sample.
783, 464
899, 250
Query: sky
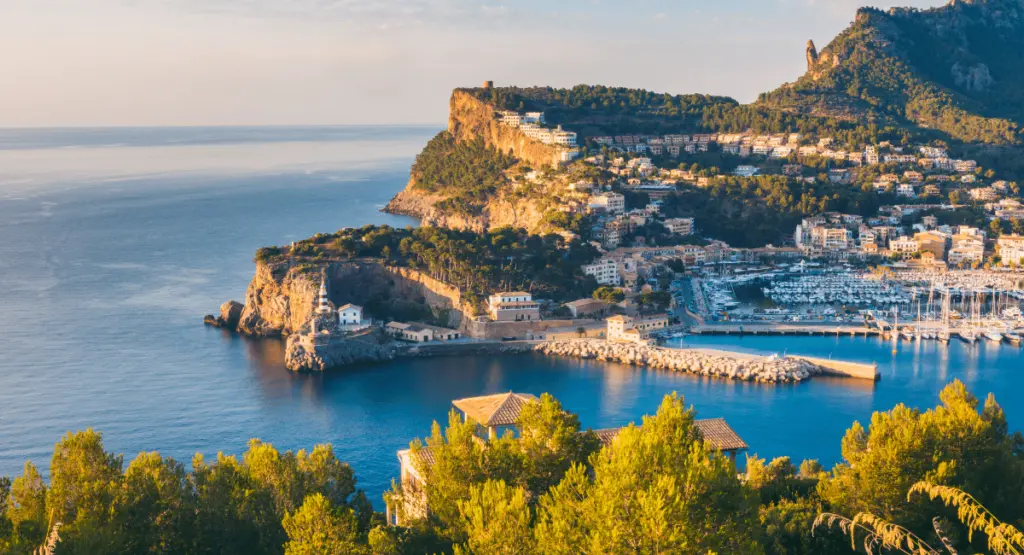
326, 62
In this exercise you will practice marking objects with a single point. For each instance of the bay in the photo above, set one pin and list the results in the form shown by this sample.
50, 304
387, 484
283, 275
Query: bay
115, 243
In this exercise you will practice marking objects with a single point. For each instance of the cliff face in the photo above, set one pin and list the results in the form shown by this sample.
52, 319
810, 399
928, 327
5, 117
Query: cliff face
282, 295
301, 356
469, 119
279, 300
499, 212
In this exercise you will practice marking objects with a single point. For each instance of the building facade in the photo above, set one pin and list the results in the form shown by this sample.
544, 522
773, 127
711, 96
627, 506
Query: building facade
516, 306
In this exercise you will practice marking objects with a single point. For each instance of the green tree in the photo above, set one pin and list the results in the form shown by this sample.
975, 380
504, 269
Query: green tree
787, 526
657, 489
84, 482
550, 442
317, 528
996, 227
458, 465
235, 516
496, 518
156, 506
952, 444
26, 507
609, 295
658, 300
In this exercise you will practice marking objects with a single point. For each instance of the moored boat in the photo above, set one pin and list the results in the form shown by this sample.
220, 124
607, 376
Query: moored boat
994, 336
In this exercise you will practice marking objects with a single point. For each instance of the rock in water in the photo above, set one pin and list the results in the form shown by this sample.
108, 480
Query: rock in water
230, 314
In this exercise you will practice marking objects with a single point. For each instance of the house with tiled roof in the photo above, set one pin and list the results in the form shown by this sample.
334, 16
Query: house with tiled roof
492, 412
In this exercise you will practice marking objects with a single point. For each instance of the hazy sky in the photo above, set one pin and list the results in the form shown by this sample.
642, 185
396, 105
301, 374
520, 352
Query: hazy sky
237, 62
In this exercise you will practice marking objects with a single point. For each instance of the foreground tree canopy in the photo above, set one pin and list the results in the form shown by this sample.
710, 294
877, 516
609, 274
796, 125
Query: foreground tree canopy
951, 477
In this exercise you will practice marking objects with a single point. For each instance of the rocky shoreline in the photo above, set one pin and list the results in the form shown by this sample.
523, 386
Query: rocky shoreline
300, 356
693, 361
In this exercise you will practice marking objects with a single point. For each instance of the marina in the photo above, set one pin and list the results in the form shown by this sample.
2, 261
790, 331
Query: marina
896, 305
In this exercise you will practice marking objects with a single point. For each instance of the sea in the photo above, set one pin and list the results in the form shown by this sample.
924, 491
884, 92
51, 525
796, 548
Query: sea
115, 242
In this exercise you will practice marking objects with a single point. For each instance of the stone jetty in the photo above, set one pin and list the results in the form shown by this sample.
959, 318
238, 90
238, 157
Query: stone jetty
704, 362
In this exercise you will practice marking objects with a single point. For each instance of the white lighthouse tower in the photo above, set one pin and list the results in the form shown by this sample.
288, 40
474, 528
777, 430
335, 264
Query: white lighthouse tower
323, 307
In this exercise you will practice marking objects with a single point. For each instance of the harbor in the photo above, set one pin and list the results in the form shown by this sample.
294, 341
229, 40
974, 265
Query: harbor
900, 305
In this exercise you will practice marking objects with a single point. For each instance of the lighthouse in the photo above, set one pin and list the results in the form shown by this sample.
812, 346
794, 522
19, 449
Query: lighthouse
323, 307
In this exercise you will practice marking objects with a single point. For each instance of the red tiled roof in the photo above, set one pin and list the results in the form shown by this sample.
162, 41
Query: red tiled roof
714, 431
494, 410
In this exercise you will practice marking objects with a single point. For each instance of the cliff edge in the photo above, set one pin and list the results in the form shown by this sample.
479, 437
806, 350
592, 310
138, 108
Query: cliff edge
283, 294
473, 121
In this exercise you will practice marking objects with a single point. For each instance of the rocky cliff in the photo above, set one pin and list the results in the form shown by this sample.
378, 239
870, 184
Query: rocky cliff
282, 295
500, 211
337, 353
470, 119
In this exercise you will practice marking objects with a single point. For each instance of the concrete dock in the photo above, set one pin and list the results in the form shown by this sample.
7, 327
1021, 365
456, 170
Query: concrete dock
771, 328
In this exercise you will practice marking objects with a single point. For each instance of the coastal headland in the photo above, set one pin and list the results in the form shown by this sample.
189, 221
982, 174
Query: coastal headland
560, 214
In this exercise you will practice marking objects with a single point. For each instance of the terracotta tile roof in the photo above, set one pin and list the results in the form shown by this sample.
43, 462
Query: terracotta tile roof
494, 410
608, 435
714, 431
424, 458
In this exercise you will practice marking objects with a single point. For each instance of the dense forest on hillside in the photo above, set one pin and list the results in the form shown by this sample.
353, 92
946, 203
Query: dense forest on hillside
598, 110
955, 72
467, 173
956, 69
552, 490
477, 263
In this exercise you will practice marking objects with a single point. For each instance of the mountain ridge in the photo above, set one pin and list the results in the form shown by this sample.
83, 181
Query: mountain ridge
954, 69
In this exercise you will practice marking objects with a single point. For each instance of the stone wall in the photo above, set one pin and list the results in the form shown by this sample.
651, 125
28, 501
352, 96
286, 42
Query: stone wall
439, 295
485, 329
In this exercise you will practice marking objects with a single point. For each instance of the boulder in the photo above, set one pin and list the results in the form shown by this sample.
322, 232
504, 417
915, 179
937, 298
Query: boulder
231, 314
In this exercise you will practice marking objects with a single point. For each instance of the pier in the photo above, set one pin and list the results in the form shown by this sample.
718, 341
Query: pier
762, 328
711, 362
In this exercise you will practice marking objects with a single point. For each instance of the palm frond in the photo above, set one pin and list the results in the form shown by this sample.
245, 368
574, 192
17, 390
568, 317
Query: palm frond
1003, 539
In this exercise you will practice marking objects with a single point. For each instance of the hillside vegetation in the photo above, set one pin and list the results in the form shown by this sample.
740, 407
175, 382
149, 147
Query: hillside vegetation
958, 69
467, 173
597, 110
552, 489
478, 264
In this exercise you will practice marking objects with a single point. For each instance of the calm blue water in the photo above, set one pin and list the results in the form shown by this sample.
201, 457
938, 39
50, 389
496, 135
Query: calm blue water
115, 243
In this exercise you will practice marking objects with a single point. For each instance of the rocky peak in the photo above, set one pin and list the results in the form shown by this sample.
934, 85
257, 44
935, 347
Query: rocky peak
812, 55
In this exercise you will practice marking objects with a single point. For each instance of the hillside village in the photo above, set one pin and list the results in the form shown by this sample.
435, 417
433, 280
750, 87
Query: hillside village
929, 186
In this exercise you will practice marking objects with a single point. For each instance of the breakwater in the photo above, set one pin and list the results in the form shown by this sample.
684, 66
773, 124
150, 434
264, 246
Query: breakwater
704, 362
